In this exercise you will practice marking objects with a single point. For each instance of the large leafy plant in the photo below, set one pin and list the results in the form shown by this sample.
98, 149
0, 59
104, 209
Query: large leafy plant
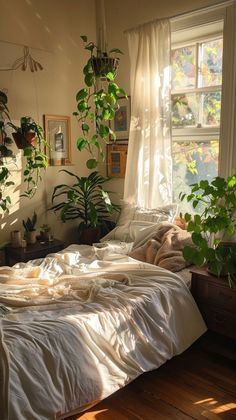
97, 102
86, 200
213, 225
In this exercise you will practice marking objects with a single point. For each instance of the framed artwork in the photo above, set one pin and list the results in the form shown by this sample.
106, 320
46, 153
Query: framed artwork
116, 160
57, 134
120, 124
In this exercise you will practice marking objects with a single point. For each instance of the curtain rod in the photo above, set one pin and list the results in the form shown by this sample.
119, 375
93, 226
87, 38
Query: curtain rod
23, 45
179, 16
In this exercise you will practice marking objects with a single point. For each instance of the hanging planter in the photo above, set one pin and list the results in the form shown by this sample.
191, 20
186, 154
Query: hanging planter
24, 140
104, 65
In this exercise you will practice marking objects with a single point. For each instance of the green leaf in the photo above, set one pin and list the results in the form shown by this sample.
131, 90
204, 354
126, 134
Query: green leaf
81, 143
91, 163
116, 50
82, 94
110, 76
85, 127
89, 79
84, 38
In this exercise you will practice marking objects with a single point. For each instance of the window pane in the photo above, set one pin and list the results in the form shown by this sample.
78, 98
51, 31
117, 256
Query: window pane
211, 108
185, 110
211, 63
192, 162
183, 67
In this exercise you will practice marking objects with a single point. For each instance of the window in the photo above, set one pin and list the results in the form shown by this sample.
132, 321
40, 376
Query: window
196, 108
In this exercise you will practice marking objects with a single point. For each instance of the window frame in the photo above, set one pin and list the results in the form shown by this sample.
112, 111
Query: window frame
179, 134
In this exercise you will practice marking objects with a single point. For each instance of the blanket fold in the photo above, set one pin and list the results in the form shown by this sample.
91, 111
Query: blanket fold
165, 249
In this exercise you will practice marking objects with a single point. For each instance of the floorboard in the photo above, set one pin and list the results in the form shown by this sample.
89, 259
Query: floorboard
198, 384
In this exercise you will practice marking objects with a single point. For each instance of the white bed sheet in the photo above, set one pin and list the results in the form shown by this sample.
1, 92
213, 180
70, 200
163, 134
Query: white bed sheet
75, 329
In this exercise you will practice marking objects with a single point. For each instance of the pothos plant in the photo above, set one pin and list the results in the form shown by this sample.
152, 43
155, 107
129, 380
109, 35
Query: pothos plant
5, 154
213, 227
97, 102
29, 136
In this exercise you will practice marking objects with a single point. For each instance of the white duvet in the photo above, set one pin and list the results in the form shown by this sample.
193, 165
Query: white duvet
74, 329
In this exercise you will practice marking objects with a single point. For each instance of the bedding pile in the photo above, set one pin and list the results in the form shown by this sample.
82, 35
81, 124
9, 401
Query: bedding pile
165, 249
75, 328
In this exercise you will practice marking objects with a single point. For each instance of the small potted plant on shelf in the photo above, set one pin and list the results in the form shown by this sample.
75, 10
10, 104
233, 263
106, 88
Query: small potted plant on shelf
29, 136
96, 105
213, 227
30, 231
86, 200
45, 232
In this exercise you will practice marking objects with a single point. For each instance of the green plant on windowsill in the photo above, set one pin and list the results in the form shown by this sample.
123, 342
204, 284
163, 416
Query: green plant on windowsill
29, 136
213, 228
86, 200
6, 155
97, 102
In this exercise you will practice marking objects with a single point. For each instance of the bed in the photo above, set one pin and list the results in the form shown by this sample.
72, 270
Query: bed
80, 324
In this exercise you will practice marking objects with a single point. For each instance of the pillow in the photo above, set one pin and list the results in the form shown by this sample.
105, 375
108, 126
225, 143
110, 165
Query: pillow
137, 224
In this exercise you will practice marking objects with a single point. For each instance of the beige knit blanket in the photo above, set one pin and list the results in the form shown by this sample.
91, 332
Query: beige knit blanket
165, 248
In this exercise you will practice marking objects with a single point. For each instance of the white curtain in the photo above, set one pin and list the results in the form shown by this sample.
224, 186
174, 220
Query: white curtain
148, 171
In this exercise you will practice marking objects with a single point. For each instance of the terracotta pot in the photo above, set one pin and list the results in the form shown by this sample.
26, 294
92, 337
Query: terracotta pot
23, 141
88, 236
31, 237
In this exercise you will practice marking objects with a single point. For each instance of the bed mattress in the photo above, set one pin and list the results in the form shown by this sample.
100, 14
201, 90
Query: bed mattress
74, 329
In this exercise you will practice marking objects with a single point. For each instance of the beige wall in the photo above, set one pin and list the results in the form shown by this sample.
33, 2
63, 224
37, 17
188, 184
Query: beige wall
126, 14
53, 26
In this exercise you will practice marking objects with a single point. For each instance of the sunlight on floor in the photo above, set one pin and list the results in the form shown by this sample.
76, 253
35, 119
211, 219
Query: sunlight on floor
221, 408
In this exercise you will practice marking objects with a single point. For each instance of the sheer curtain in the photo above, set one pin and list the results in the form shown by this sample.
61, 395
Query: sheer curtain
148, 171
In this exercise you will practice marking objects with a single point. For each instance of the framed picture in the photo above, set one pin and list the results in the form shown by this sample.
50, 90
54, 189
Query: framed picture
116, 159
57, 134
120, 124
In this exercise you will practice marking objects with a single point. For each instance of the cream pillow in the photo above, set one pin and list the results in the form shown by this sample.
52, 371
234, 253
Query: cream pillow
136, 224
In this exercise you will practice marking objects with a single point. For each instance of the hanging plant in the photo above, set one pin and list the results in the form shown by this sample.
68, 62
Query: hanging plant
97, 101
5, 152
29, 136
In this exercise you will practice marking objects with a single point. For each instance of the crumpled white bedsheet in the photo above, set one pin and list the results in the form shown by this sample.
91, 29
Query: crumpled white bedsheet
74, 329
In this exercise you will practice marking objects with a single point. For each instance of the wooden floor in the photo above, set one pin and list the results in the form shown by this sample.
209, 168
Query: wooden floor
199, 384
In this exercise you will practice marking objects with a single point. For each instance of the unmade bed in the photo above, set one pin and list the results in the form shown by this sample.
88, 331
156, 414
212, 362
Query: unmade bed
77, 326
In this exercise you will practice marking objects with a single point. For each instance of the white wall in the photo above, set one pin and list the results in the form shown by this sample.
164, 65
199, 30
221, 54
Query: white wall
53, 28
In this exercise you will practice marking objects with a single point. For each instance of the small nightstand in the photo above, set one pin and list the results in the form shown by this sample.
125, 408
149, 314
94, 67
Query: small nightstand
31, 252
216, 301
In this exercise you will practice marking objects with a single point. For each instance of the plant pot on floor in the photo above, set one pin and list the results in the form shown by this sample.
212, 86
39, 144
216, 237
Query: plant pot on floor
89, 236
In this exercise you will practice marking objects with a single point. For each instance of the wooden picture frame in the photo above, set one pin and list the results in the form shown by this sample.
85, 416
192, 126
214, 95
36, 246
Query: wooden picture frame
116, 159
57, 135
121, 122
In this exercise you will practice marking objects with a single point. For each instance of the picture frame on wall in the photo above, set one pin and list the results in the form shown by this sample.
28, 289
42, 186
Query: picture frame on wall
116, 159
57, 135
121, 122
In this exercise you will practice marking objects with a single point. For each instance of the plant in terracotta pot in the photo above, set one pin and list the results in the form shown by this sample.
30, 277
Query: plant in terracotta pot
97, 101
29, 136
30, 231
213, 228
87, 200
6, 155
45, 232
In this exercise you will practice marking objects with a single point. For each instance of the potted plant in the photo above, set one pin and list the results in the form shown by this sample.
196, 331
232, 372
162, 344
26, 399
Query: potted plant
86, 200
30, 231
96, 106
5, 154
45, 232
213, 227
29, 136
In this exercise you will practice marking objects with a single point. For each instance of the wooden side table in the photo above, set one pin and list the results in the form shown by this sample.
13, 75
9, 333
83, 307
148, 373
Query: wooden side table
216, 301
31, 252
